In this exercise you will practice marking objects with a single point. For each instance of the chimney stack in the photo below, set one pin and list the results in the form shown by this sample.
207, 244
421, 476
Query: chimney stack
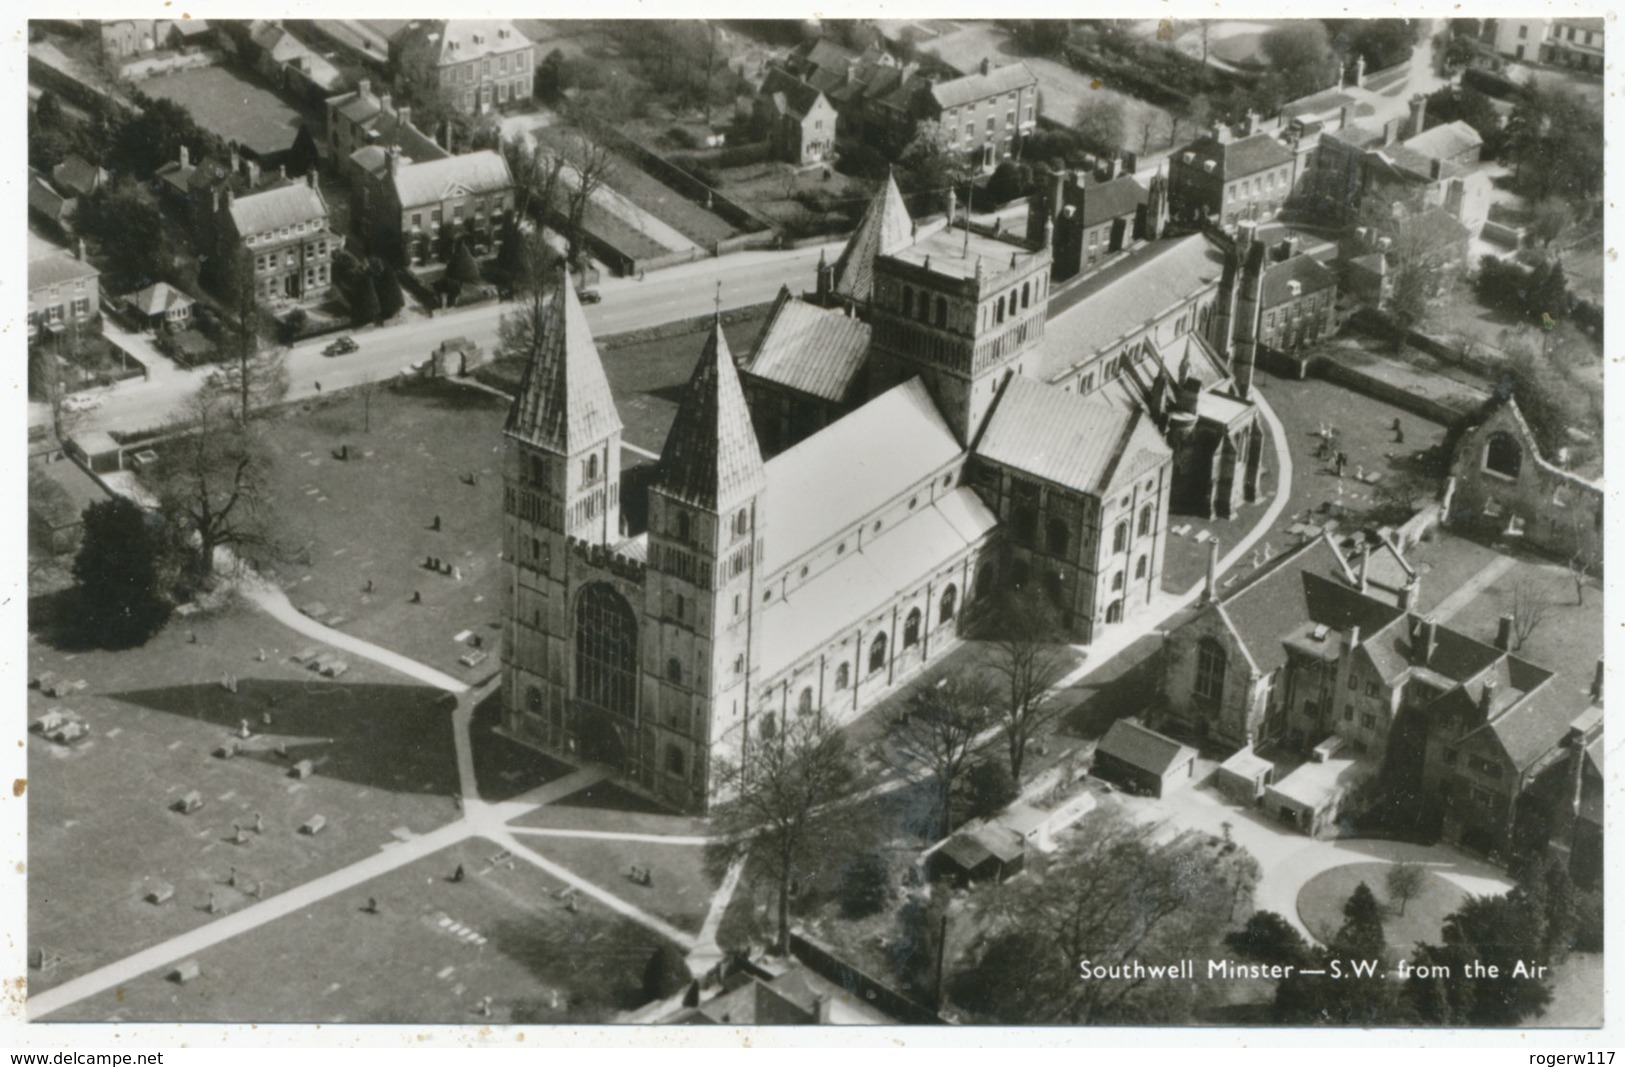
1419, 107
1343, 117
1503, 633
1365, 568
252, 170
821, 1009
1354, 638
986, 66
363, 89
1486, 698
79, 254
310, 178
1596, 683
1436, 169
384, 102
1213, 570
404, 114
1359, 72
1390, 131
186, 157
1427, 640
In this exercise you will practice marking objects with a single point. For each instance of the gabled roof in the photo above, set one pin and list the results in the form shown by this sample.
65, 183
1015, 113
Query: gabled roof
1241, 158
825, 55
711, 459
269, 211
1530, 727
564, 403
813, 350
1111, 199
46, 200
1310, 274
1446, 141
1080, 442
56, 269
797, 96
1144, 748
753, 1003
460, 40
438, 179
160, 297
974, 87
884, 228
77, 177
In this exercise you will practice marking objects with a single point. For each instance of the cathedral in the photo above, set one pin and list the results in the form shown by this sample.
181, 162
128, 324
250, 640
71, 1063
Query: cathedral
898, 444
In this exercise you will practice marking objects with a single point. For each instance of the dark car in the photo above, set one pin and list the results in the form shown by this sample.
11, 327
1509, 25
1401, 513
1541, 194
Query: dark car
343, 346
590, 296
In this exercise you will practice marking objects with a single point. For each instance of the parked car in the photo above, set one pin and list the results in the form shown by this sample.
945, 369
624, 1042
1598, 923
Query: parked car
341, 347
82, 402
590, 296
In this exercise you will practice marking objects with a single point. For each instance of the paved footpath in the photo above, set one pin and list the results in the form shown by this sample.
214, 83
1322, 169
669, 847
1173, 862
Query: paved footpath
1468, 591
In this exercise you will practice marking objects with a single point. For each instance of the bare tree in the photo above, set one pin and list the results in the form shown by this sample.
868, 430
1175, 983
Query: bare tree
593, 164
1582, 562
1531, 603
1405, 881
1026, 653
936, 733
779, 788
210, 481
257, 374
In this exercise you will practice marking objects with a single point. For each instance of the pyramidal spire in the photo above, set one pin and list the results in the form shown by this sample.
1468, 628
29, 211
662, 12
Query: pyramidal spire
711, 459
564, 403
884, 228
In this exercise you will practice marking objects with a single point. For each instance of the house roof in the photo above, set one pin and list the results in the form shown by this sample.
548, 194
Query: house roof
826, 55
813, 350
1144, 748
978, 86
564, 403
77, 177
1111, 199
753, 1003
1310, 274
711, 459
56, 269
1528, 728
1356, 136
884, 228
46, 200
1317, 784
1080, 442
460, 40
1121, 299
837, 477
1446, 141
792, 95
158, 298
439, 179
265, 212
60, 492
1240, 158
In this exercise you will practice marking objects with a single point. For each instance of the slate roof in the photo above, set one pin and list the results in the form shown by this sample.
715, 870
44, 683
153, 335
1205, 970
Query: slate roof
455, 41
1310, 274
813, 350
1111, 200
266, 212
46, 200
790, 94
1143, 748
1084, 443
884, 228
56, 269
160, 297
564, 403
77, 177
1531, 727
711, 459
1241, 158
436, 179
1446, 141
754, 1003
1121, 298
825, 55
854, 466
974, 87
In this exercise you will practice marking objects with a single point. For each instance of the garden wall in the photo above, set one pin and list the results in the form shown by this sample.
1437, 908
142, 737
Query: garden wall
823, 961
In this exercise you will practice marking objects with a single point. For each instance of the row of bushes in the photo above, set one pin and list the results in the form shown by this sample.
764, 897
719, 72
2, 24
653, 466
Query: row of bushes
1535, 292
1146, 69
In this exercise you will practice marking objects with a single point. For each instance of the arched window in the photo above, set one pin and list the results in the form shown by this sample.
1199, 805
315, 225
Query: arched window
911, 629
925, 306
1120, 537
606, 650
741, 523
589, 470
683, 525
877, 653
1056, 533
1503, 455
768, 728
1140, 568
1115, 612
998, 311
1025, 287
1117, 582
533, 700
1211, 660
942, 311
843, 676
674, 670
1025, 523
1015, 295
676, 764
804, 702
908, 301
946, 606
1146, 514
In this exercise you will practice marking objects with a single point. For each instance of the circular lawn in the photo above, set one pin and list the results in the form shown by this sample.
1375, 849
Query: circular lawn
1321, 900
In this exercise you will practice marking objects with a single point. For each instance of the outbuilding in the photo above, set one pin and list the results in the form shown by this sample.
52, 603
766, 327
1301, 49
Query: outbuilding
1143, 761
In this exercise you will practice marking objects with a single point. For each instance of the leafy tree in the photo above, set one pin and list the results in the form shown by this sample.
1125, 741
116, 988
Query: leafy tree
1405, 881
865, 885
144, 141
118, 571
780, 788
303, 157
1042, 37
1463, 103
1555, 142
1383, 43
525, 261
1344, 995
1269, 938
1100, 124
929, 164
550, 80
1550, 397
1300, 55
256, 374
1362, 923
365, 307
1499, 932
988, 788
1025, 652
123, 220
388, 287
211, 480
666, 974
417, 84
936, 734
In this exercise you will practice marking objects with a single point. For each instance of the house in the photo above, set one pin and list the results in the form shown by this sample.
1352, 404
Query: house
799, 120
1244, 776
1576, 43
774, 993
1298, 300
484, 64
1454, 142
1225, 179
1520, 39
1143, 761
417, 213
293, 66
282, 240
363, 119
127, 38
987, 113
64, 294
161, 306
1311, 798
1505, 487
48, 205
195, 192
1094, 218
77, 178
1562, 812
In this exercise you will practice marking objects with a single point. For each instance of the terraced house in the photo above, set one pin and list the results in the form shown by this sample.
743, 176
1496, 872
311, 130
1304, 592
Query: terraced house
484, 64
1226, 179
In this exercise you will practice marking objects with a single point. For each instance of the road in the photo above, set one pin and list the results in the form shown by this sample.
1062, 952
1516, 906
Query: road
628, 304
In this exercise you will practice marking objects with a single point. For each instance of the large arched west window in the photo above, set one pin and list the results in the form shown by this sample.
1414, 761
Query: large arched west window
911, 629
606, 650
1211, 660
946, 606
877, 653
1503, 455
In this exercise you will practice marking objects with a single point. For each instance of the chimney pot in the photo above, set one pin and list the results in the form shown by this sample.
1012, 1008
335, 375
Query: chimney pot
1486, 697
1596, 683
1427, 639
363, 88
186, 157
1503, 633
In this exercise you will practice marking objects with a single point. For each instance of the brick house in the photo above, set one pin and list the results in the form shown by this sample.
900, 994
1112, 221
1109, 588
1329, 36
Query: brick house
485, 64
362, 118
1298, 302
415, 213
1094, 217
1576, 43
284, 238
986, 113
64, 292
799, 121
1225, 179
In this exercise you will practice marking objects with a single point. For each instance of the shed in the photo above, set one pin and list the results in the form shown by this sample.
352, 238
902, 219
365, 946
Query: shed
988, 852
1142, 760
161, 305
1244, 776
1310, 797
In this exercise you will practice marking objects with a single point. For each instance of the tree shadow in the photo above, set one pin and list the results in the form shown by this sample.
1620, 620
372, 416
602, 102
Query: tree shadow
503, 767
396, 738
594, 964
1107, 698
59, 621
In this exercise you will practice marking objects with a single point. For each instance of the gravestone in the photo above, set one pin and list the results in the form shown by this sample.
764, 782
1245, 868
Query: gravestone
313, 825
189, 803
186, 972
303, 769
161, 894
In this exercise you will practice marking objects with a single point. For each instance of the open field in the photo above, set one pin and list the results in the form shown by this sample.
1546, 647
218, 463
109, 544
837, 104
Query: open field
230, 105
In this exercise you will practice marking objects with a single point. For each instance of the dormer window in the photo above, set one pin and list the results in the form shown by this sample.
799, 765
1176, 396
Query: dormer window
1319, 632
1188, 157
1207, 166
